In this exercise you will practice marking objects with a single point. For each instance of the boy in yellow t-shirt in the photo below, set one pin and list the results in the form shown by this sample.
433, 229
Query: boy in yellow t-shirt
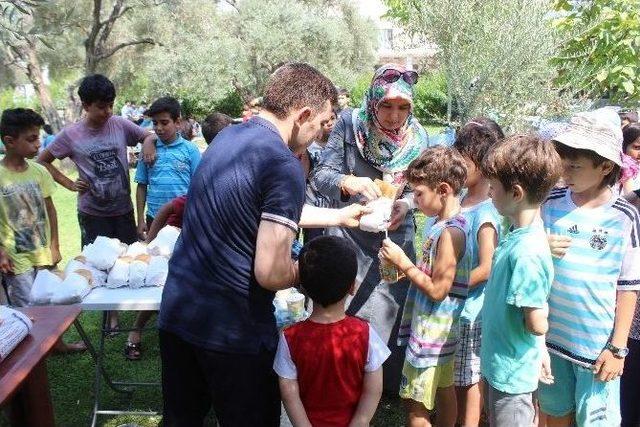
28, 224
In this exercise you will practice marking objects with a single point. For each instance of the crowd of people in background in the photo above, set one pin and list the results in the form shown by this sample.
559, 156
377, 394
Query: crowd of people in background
520, 305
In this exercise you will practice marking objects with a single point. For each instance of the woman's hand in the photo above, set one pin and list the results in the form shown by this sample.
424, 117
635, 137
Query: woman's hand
399, 212
355, 185
391, 252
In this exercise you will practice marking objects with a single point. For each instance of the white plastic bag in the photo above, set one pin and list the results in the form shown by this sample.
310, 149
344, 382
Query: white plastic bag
99, 277
73, 265
119, 274
103, 252
135, 249
138, 271
157, 271
73, 288
44, 285
378, 219
165, 241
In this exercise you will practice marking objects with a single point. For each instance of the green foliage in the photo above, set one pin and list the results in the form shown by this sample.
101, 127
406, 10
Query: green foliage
215, 53
8, 99
494, 54
230, 105
602, 49
359, 90
431, 98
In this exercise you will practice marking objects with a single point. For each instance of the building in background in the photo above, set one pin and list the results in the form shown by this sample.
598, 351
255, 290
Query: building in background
395, 45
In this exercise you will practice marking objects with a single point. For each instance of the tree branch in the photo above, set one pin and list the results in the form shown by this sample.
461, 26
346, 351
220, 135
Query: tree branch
107, 26
90, 41
116, 48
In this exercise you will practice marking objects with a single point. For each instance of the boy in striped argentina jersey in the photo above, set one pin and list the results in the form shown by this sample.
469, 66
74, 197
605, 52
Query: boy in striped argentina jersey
597, 276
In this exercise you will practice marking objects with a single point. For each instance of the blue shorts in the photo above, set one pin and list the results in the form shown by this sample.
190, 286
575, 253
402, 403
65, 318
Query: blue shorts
576, 389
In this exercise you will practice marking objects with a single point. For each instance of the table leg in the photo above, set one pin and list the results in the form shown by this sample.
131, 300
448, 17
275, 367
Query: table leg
31, 405
101, 372
94, 355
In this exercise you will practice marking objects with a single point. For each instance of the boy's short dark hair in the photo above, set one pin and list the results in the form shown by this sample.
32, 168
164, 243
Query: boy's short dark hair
343, 91
166, 104
213, 124
328, 268
96, 88
630, 133
297, 85
436, 165
524, 160
630, 116
17, 120
474, 139
48, 129
571, 153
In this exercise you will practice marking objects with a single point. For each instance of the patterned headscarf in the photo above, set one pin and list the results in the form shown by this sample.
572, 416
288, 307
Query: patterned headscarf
389, 151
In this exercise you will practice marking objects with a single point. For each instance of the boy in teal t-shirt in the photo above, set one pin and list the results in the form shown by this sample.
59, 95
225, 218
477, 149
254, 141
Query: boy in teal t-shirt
473, 141
522, 170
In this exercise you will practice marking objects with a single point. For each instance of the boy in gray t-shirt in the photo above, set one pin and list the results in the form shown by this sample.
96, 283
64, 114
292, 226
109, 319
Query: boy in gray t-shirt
97, 145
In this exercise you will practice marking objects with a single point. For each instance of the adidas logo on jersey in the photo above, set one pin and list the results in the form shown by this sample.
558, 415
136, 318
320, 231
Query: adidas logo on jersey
573, 229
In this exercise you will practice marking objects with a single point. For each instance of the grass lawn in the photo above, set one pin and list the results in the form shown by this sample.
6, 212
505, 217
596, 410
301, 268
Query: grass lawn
71, 376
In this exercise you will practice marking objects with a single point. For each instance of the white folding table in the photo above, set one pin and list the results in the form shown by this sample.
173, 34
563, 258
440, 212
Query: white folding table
105, 300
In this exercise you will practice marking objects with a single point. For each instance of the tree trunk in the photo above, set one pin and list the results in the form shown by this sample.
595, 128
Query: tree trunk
34, 73
74, 105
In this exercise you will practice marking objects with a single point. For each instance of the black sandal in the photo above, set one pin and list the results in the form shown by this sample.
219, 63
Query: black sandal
133, 350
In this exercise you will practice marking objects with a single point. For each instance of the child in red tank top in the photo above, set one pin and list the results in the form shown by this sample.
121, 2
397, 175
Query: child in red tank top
330, 366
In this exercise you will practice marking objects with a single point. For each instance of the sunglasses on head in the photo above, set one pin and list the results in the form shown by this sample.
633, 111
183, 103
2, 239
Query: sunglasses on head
391, 76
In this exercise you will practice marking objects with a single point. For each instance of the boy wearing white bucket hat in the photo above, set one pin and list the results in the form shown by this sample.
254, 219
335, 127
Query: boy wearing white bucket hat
597, 276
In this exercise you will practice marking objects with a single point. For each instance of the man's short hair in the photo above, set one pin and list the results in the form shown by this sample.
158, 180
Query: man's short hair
14, 121
48, 129
476, 137
524, 160
213, 124
166, 104
297, 85
96, 88
328, 268
342, 91
436, 165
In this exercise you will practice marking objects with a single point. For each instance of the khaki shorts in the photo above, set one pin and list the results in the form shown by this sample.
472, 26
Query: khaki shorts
421, 384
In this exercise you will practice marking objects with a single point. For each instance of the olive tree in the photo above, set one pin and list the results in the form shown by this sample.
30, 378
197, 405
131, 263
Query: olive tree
495, 54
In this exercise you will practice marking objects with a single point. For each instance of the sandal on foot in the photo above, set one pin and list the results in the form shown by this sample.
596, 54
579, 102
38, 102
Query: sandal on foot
113, 331
133, 350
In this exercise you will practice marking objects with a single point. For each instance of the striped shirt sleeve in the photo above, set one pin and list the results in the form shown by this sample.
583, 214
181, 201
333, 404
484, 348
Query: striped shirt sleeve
629, 279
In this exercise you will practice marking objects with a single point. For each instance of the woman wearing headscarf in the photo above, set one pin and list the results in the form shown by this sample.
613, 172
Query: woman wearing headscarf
376, 141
